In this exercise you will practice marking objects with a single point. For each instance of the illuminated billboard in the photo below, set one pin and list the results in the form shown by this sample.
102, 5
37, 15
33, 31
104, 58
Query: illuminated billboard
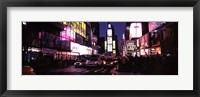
76, 27
70, 34
109, 32
105, 44
130, 45
109, 48
144, 41
109, 39
114, 45
135, 30
75, 47
63, 35
67, 34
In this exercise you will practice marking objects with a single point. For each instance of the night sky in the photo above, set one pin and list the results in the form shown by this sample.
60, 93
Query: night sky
119, 28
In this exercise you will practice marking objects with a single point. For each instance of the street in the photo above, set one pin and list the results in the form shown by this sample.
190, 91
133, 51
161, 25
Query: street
72, 70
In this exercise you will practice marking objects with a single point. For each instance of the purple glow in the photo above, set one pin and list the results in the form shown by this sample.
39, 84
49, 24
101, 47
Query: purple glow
67, 34
68, 30
65, 28
63, 35
154, 25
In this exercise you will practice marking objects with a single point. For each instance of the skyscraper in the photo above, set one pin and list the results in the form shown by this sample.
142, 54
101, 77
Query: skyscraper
110, 43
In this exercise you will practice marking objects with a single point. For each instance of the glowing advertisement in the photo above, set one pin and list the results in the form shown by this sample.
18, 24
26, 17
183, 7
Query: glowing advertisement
77, 27
63, 35
113, 44
67, 34
109, 39
109, 32
109, 48
135, 30
130, 45
144, 41
75, 47
105, 44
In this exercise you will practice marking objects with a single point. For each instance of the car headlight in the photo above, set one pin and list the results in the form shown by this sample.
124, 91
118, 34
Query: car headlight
111, 62
104, 62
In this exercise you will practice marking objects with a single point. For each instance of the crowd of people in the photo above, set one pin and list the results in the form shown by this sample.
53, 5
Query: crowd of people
166, 64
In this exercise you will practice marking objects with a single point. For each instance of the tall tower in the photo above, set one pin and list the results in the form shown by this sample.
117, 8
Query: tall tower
110, 43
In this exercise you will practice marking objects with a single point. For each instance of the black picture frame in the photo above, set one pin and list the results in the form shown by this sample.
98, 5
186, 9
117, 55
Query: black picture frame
100, 3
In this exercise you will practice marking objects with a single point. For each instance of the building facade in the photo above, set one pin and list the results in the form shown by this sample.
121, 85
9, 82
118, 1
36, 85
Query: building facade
59, 40
154, 38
